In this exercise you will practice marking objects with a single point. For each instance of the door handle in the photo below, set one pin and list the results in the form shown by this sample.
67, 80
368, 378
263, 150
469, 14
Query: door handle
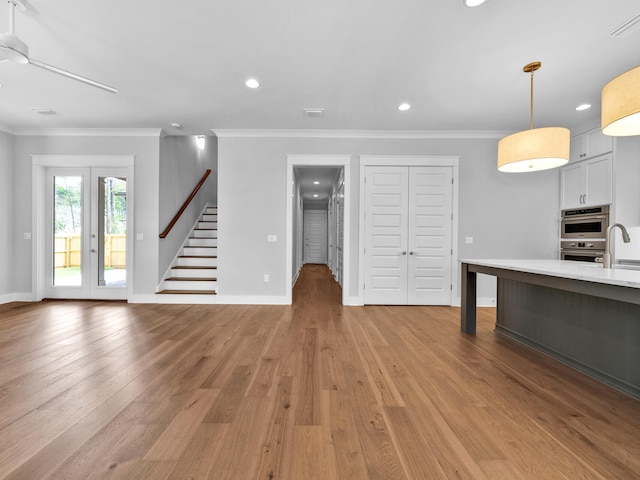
404, 252
411, 252
93, 250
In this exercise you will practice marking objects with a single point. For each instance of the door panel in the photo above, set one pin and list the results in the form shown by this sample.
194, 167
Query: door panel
430, 208
315, 233
386, 236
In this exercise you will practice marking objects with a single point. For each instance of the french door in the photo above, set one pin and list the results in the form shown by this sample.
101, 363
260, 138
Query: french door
86, 233
408, 235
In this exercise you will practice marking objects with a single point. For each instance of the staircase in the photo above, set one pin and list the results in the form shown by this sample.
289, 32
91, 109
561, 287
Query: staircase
194, 270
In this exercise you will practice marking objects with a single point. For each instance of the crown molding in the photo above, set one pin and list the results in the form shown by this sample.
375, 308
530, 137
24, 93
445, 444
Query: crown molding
90, 132
383, 134
6, 129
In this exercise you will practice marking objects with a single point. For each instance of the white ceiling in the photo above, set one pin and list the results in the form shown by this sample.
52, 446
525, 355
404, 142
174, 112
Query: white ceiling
460, 68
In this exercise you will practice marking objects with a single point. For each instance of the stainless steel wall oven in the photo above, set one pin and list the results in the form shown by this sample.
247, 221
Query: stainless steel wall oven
589, 222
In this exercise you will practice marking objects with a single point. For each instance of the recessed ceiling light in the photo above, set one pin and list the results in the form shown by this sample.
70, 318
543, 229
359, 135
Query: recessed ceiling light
403, 107
316, 183
315, 195
176, 125
473, 3
252, 83
584, 106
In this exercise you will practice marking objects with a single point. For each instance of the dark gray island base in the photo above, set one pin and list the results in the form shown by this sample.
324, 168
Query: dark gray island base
588, 319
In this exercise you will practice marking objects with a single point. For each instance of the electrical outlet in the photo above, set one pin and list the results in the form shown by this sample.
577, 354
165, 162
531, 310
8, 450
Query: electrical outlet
272, 238
27, 236
266, 278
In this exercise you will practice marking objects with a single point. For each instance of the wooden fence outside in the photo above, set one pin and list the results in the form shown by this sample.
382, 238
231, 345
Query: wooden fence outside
67, 251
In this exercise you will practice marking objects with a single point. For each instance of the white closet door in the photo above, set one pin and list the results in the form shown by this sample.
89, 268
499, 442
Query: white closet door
386, 235
315, 233
430, 242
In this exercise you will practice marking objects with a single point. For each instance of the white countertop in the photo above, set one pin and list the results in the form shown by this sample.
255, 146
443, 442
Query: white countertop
588, 272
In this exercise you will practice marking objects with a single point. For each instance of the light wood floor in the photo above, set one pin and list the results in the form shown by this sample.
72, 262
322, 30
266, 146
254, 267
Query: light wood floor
309, 391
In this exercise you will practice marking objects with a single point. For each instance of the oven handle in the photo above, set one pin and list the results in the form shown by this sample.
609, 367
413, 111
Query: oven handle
582, 219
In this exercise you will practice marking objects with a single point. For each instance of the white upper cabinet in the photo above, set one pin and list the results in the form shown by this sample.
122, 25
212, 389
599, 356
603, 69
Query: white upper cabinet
590, 144
587, 183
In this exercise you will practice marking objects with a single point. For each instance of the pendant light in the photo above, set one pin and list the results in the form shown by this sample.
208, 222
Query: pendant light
621, 105
534, 149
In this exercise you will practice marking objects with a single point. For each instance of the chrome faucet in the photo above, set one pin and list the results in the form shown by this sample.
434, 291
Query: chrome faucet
606, 261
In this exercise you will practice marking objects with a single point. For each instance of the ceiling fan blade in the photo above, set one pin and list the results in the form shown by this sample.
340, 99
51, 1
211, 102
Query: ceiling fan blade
74, 76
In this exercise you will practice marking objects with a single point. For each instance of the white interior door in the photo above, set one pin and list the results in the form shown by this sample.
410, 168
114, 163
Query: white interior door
408, 235
430, 242
386, 231
86, 218
315, 236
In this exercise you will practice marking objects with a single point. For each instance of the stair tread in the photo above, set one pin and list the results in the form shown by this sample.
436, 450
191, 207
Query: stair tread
191, 279
195, 267
187, 292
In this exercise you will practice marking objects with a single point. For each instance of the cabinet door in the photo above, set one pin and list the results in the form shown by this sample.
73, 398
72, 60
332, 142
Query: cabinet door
598, 143
598, 181
577, 149
572, 185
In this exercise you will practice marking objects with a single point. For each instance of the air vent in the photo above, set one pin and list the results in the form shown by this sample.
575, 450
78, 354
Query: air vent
44, 111
314, 112
627, 28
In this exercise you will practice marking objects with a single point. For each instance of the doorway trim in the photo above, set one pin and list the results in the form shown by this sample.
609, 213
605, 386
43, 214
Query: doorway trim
39, 165
319, 160
410, 161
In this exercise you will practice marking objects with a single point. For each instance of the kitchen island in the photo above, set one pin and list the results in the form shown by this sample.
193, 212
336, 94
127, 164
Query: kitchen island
581, 314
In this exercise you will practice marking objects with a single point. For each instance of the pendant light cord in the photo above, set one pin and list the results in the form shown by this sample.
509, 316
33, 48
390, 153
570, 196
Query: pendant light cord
531, 110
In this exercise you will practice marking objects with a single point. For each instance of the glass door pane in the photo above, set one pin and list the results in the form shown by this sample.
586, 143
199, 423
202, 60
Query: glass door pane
67, 227
112, 232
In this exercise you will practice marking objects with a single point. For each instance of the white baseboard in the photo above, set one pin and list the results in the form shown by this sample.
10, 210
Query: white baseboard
480, 302
18, 297
354, 302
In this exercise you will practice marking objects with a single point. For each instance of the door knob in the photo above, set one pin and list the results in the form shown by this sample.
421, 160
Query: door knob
93, 250
404, 252
411, 252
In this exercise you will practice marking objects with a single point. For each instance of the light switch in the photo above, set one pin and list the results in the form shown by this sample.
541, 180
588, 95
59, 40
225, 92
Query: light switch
266, 278
27, 235
272, 238
139, 236
468, 240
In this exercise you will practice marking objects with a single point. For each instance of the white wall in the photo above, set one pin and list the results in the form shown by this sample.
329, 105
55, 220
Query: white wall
508, 215
182, 165
8, 233
146, 152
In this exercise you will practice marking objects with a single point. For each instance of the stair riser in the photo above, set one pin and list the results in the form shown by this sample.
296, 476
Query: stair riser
212, 225
200, 251
211, 211
190, 285
202, 242
209, 218
205, 233
197, 262
194, 272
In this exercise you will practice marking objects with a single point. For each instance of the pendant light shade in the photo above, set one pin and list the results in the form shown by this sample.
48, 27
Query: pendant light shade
534, 149
621, 105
